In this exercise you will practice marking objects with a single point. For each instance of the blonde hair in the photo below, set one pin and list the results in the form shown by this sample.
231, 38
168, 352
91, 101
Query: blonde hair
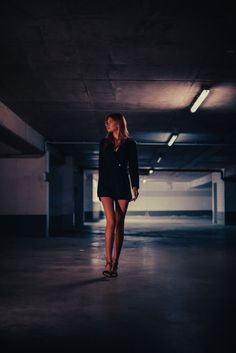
121, 120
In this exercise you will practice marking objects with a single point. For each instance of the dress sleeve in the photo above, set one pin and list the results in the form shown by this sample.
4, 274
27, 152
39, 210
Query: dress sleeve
133, 164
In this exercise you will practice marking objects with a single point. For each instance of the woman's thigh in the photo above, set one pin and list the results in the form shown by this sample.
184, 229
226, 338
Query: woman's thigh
121, 209
108, 206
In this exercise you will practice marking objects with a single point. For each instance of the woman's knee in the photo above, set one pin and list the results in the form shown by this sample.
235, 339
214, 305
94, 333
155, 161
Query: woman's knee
120, 220
111, 222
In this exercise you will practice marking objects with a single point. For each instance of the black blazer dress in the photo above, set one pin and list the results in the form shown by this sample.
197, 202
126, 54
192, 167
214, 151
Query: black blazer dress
113, 178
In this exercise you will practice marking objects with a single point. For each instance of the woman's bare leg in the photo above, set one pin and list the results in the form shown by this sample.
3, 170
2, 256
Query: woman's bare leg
121, 208
107, 203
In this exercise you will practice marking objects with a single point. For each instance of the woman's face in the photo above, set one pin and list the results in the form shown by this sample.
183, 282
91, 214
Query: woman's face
111, 125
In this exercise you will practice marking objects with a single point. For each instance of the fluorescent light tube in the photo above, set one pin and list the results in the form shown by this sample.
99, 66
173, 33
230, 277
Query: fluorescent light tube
172, 139
199, 100
159, 159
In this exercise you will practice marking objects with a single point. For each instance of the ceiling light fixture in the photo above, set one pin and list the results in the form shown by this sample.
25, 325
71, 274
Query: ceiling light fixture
172, 139
199, 100
150, 171
159, 159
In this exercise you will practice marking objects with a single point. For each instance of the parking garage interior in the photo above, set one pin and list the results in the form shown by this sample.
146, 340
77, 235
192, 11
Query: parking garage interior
64, 66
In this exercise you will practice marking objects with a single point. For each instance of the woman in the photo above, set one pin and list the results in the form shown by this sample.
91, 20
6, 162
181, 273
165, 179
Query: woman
116, 150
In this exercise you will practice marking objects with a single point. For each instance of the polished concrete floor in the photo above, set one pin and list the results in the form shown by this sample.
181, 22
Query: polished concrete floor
175, 291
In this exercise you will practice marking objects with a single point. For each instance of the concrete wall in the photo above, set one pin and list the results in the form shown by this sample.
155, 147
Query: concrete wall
165, 198
23, 196
31, 205
170, 200
161, 198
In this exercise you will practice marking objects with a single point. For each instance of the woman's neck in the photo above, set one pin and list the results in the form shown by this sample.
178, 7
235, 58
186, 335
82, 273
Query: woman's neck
116, 137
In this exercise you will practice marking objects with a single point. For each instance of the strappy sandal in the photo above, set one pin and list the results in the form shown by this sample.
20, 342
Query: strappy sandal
107, 273
114, 269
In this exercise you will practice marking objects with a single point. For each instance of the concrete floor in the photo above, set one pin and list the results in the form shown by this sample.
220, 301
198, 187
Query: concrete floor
175, 291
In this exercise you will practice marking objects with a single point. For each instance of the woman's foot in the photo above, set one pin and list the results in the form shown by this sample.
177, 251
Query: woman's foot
114, 268
108, 267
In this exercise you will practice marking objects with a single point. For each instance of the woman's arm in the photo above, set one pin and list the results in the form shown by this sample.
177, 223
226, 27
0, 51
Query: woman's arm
133, 164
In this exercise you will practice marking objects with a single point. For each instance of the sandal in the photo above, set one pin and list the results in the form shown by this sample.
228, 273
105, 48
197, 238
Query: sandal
114, 269
107, 273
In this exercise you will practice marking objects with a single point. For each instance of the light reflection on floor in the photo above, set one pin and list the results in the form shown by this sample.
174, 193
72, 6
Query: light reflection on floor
174, 292
146, 225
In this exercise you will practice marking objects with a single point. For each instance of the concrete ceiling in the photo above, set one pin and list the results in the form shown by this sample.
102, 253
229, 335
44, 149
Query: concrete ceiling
65, 65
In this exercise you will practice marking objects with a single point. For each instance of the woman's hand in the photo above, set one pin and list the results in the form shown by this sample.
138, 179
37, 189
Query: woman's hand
135, 192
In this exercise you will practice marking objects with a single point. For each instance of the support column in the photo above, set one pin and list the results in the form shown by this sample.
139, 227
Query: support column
230, 202
79, 198
88, 196
218, 199
61, 191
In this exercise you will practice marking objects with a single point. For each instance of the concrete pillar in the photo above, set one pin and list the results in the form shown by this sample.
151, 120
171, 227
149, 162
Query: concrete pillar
61, 194
88, 196
218, 199
79, 198
230, 202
